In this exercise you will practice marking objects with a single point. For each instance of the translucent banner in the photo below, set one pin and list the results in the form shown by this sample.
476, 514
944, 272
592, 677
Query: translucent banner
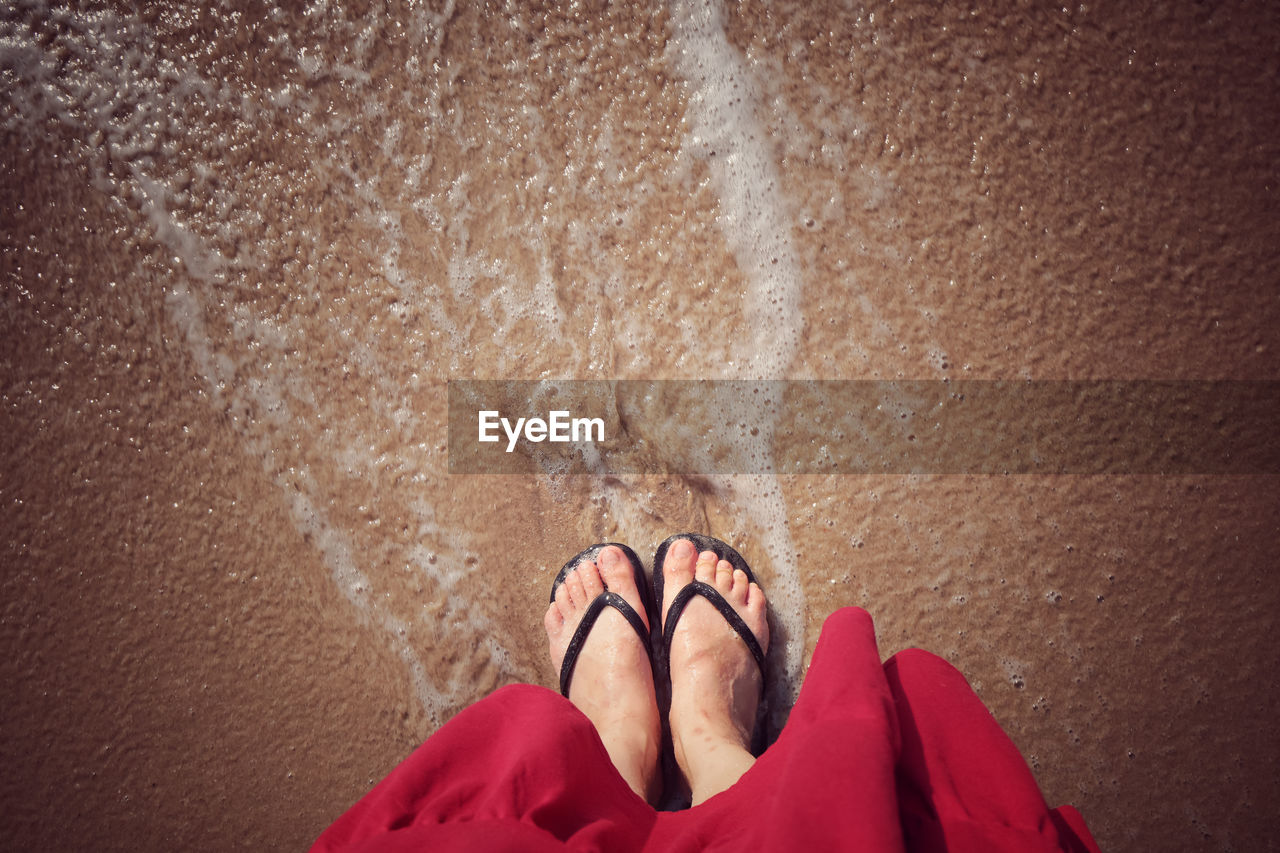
863, 427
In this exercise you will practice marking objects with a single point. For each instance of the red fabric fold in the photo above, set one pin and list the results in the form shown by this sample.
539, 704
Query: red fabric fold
878, 757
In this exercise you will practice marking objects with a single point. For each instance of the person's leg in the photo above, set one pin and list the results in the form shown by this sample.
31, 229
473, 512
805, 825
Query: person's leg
828, 781
715, 681
613, 680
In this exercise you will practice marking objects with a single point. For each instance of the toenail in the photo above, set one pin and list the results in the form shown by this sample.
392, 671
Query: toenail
682, 549
608, 558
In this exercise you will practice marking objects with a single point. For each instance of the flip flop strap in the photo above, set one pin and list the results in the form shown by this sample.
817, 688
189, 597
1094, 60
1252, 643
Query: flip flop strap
579, 638
710, 593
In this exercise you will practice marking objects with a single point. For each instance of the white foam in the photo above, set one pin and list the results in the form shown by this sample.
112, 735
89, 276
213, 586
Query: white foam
755, 218
98, 76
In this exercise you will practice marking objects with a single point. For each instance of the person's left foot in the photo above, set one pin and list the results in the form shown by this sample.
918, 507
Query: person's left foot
613, 680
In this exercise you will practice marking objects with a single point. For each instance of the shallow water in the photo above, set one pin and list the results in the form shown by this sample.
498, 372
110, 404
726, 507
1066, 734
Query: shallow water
246, 247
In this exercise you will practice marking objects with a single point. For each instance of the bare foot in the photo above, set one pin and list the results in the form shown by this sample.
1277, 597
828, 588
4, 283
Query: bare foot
715, 682
613, 680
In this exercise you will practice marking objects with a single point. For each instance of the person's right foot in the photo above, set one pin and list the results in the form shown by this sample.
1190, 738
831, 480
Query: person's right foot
612, 682
715, 682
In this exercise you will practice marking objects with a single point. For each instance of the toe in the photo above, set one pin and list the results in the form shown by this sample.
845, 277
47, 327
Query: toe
619, 576
573, 586
553, 621
705, 570
677, 570
592, 583
563, 602
678, 565
724, 577
615, 570
741, 587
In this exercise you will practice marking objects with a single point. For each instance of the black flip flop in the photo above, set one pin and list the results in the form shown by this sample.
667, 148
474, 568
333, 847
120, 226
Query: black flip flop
698, 588
599, 603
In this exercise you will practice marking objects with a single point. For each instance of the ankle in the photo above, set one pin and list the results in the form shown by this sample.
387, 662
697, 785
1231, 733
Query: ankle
634, 751
701, 743
711, 761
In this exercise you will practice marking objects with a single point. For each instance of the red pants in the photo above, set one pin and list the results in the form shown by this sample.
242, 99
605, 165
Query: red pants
899, 756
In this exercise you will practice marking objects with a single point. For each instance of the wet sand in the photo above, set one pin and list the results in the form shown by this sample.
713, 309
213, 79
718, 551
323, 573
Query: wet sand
244, 251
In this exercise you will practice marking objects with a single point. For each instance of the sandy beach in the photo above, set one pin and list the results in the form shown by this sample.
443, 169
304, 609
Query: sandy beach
245, 250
